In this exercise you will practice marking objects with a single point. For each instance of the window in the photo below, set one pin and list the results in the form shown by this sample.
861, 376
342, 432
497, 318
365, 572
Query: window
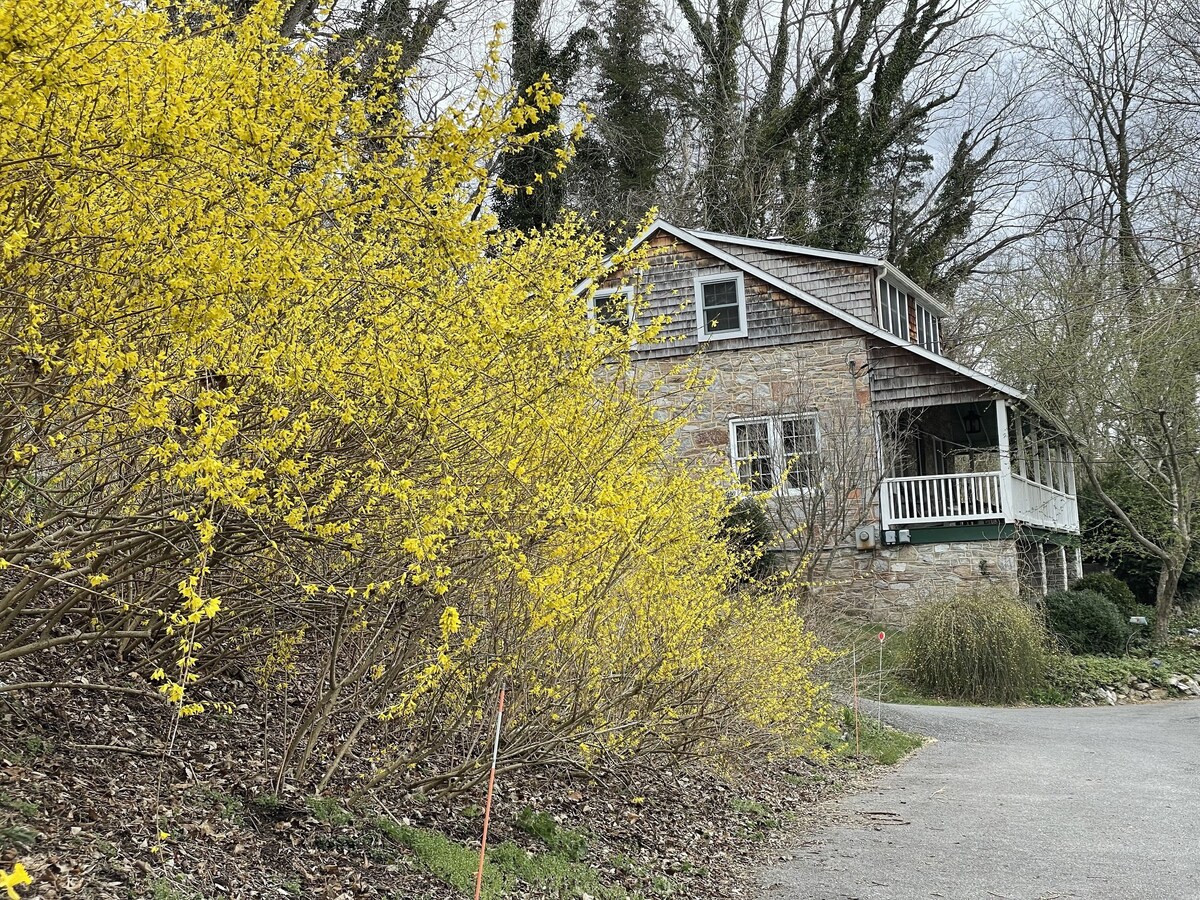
720, 306
769, 452
929, 332
752, 455
613, 307
799, 444
893, 309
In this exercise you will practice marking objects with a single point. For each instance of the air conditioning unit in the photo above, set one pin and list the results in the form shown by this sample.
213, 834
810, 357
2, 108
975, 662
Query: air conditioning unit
866, 537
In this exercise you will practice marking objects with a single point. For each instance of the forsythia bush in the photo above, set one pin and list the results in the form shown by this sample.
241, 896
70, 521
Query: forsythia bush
278, 397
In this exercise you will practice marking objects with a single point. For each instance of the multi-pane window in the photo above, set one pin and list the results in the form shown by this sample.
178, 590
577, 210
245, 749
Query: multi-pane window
752, 455
893, 317
720, 306
893, 309
613, 308
798, 437
929, 333
770, 452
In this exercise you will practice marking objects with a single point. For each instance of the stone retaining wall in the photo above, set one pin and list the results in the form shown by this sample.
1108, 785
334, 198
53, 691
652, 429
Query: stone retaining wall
888, 581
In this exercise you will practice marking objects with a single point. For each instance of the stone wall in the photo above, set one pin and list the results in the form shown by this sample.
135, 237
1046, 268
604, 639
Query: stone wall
795, 378
887, 581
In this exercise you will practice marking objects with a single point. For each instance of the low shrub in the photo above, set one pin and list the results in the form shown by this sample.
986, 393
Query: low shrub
1073, 675
748, 532
1085, 621
984, 647
1113, 588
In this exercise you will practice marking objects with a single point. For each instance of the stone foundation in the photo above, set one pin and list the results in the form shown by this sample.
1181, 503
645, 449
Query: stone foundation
887, 581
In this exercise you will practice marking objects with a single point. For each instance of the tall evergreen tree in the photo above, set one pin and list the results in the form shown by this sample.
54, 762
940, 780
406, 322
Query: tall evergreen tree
811, 158
538, 198
623, 153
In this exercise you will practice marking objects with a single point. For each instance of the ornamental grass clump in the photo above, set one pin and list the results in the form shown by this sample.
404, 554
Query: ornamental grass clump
984, 647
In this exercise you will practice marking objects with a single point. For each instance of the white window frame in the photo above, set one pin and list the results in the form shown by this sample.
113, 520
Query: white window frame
736, 460
929, 329
702, 332
604, 294
814, 455
779, 462
887, 312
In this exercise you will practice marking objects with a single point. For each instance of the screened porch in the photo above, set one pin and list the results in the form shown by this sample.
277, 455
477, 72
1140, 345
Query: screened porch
976, 463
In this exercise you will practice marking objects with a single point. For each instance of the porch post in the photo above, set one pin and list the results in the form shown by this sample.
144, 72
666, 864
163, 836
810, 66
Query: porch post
885, 500
1006, 495
1019, 428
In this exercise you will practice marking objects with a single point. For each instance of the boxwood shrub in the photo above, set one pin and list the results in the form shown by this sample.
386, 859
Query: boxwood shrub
1112, 587
1085, 622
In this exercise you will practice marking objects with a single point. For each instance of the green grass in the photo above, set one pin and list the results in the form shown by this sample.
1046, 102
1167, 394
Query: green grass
758, 814
328, 811
506, 869
15, 833
164, 889
21, 807
888, 681
759, 820
568, 842
882, 745
228, 807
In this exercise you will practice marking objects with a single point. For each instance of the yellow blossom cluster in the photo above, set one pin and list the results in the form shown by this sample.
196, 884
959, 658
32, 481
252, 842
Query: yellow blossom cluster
270, 367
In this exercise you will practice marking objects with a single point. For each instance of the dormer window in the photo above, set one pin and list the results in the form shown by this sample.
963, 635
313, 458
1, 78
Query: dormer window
893, 309
923, 329
613, 307
929, 330
720, 306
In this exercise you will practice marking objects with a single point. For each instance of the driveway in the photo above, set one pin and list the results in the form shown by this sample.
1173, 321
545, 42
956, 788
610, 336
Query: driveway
1027, 804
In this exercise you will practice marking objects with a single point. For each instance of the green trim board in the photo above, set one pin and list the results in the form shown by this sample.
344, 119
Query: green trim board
944, 534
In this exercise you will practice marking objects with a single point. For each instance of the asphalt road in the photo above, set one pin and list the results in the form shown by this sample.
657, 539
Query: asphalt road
1026, 804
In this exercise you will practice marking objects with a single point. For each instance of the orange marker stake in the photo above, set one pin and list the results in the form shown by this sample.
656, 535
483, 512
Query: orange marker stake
880, 697
487, 810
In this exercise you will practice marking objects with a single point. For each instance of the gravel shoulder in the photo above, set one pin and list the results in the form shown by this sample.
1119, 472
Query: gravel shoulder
1044, 803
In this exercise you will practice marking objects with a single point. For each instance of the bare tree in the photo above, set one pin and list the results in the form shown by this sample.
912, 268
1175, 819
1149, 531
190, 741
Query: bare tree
1121, 380
1100, 318
823, 460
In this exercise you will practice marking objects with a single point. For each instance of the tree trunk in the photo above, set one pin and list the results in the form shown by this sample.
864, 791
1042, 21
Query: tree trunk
1168, 581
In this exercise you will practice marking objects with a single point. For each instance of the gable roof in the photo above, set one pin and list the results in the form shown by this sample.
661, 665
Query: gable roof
698, 240
887, 268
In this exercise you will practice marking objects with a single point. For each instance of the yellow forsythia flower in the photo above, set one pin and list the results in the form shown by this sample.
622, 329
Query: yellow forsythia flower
11, 880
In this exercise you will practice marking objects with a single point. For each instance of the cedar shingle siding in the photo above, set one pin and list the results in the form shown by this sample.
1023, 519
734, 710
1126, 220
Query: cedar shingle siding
845, 285
901, 379
774, 318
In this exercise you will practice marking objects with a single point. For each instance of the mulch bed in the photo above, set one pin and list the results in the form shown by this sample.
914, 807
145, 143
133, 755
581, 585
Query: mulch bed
87, 788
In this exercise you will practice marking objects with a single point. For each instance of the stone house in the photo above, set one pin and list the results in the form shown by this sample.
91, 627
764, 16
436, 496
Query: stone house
889, 469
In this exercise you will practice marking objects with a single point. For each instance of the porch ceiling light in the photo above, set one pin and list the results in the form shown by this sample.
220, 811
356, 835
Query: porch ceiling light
973, 422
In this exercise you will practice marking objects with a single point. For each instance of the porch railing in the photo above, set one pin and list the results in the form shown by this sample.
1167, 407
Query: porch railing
976, 497
1038, 504
935, 499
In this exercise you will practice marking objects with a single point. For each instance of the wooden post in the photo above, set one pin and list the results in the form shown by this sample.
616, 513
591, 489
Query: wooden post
1019, 428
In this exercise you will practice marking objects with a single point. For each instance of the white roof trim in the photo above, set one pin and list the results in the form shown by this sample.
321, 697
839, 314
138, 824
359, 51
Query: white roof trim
850, 319
888, 269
